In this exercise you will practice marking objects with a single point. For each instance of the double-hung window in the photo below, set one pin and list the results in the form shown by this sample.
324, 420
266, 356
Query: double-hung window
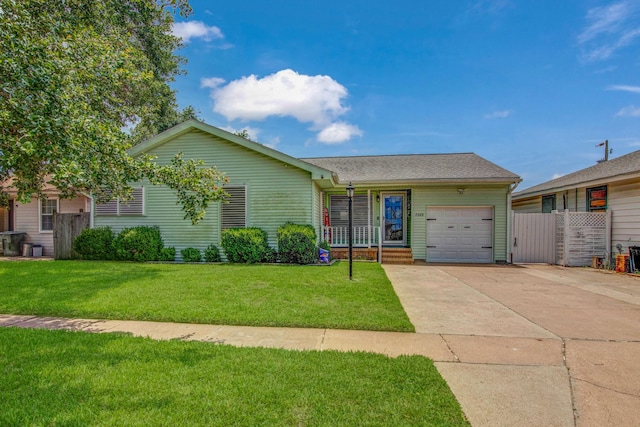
548, 203
47, 208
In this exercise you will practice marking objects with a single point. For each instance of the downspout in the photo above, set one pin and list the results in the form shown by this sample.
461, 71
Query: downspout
510, 222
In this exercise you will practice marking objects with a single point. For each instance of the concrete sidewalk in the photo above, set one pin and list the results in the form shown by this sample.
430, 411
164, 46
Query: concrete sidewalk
391, 344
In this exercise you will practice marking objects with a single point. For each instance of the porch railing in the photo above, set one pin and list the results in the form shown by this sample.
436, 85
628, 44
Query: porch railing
363, 236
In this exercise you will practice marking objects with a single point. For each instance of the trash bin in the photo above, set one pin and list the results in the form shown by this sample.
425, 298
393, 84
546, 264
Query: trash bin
26, 249
12, 242
37, 250
634, 258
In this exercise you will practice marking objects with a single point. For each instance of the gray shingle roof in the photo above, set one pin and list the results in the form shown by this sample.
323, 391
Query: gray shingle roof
618, 167
464, 167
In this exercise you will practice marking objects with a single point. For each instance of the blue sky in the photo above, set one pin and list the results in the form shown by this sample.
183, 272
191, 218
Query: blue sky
533, 86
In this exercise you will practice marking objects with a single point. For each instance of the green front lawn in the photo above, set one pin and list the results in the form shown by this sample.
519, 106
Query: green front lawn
74, 378
261, 295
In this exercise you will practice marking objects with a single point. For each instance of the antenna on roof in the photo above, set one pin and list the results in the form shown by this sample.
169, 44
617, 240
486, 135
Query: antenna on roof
606, 150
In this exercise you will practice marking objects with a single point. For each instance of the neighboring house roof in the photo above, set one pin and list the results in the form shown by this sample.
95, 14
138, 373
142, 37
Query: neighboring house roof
612, 170
418, 168
192, 124
47, 188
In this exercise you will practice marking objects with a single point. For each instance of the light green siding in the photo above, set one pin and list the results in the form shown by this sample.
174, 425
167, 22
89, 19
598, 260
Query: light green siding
421, 197
276, 192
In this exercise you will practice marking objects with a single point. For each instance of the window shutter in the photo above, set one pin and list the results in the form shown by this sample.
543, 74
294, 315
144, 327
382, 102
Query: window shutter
135, 206
340, 210
109, 208
234, 211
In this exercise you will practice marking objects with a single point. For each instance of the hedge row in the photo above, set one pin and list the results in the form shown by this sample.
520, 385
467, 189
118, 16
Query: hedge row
296, 244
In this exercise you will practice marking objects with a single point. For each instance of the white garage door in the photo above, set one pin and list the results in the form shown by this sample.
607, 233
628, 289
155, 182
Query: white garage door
457, 234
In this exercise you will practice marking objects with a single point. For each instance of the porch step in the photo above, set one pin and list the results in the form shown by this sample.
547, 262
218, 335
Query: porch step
397, 256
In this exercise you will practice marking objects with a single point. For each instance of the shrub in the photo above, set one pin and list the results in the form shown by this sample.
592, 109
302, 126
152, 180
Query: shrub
271, 255
325, 245
191, 255
95, 244
297, 243
246, 245
140, 243
167, 254
212, 254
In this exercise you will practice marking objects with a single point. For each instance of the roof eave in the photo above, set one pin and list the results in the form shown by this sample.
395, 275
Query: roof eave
192, 124
592, 183
392, 182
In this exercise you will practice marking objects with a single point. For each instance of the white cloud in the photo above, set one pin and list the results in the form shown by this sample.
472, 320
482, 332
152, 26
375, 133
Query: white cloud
624, 88
498, 114
211, 82
196, 29
338, 132
609, 28
317, 100
629, 111
557, 175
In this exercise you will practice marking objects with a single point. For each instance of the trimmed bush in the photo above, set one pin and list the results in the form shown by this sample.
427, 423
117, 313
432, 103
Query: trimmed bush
191, 255
212, 254
167, 254
297, 243
95, 244
246, 245
140, 243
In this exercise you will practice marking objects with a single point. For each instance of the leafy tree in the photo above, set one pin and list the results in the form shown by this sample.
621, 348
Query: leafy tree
75, 75
243, 134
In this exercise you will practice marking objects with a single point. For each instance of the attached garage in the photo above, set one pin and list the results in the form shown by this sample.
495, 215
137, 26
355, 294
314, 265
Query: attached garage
460, 234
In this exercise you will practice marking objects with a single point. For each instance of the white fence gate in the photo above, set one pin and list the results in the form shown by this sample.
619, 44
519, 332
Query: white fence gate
564, 238
534, 238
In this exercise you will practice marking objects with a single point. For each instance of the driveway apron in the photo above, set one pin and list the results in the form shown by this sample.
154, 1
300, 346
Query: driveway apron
533, 345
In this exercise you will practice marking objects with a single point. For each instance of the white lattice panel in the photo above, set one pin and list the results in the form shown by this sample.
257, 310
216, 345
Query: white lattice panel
588, 219
583, 234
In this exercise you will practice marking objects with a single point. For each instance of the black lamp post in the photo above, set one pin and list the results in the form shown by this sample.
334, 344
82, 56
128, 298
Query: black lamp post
350, 191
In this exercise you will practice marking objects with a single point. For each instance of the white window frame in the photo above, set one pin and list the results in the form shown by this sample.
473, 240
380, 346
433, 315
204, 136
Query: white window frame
119, 203
40, 215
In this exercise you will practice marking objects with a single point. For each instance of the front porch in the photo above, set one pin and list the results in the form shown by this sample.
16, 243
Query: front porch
389, 255
367, 245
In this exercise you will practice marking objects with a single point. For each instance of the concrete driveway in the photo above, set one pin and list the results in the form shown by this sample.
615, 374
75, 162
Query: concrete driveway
533, 345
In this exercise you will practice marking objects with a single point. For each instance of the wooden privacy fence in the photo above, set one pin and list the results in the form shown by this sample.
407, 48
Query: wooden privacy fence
66, 227
564, 238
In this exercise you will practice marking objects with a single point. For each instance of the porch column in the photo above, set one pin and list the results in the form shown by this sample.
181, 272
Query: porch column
369, 202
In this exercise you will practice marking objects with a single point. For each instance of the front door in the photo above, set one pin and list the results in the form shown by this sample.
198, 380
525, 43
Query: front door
393, 214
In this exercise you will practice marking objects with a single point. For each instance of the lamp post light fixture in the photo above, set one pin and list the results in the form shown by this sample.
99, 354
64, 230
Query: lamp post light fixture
350, 192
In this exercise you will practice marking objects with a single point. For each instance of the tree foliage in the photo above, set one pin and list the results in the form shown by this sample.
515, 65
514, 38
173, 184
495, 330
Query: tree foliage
75, 75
